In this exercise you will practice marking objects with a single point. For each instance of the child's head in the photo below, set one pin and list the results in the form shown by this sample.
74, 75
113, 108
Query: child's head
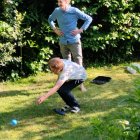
56, 65
63, 3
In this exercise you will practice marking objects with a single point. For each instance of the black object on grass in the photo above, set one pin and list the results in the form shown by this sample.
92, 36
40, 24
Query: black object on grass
101, 80
59, 111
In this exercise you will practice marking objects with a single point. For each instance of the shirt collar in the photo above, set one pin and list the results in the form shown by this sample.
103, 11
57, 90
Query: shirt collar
68, 8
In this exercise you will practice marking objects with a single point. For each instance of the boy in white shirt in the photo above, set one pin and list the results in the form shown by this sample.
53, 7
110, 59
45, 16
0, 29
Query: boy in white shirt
70, 75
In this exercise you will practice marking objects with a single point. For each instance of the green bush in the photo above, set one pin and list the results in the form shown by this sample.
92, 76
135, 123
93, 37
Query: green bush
115, 28
113, 36
24, 49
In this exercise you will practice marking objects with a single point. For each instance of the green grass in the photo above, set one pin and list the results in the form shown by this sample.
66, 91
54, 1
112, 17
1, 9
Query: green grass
102, 116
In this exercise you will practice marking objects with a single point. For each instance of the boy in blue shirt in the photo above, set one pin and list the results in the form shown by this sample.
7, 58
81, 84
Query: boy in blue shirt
69, 34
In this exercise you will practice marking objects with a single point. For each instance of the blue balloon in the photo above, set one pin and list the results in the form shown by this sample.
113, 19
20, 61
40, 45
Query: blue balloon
13, 122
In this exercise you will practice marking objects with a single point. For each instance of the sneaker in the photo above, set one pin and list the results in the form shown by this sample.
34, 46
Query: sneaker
59, 111
66, 108
75, 109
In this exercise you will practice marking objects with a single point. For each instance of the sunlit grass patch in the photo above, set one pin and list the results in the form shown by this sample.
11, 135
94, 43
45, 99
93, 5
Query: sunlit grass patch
101, 116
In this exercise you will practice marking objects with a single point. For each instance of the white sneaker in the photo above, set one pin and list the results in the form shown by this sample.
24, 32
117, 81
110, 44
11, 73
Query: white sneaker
75, 109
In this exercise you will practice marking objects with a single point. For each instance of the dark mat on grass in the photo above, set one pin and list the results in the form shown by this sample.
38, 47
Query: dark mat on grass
101, 80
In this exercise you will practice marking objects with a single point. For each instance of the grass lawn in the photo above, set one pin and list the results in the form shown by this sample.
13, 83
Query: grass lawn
104, 113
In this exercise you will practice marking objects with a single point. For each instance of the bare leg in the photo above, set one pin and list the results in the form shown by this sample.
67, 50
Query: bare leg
82, 88
76, 50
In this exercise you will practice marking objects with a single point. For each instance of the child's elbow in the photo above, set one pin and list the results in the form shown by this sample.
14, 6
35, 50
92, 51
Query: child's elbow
90, 19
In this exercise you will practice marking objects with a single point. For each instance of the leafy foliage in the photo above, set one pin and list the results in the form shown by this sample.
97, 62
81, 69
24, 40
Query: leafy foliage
113, 36
115, 29
23, 49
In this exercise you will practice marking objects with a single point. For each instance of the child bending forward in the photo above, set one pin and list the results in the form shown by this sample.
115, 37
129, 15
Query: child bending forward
70, 75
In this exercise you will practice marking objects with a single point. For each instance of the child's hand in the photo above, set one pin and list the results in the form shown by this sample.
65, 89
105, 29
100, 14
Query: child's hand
58, 32
40, 100
76, 31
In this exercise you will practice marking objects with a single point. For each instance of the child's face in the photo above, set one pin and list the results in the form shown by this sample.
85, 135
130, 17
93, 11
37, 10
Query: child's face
62, 4
55, 71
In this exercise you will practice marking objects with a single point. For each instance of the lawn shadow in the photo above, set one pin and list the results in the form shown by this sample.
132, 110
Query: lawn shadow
14, 93
28, 113
67, 134
34, 86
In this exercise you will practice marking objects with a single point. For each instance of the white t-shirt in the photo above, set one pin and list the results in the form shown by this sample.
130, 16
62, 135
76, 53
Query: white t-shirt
72, 71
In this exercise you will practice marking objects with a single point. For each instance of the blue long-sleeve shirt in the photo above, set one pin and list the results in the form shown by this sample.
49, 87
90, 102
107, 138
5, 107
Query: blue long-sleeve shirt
67, 21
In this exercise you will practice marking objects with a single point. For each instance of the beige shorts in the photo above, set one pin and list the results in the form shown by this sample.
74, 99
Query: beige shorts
72, 52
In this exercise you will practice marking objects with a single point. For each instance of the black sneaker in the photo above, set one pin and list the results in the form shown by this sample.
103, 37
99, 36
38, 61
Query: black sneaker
63, 110
75, 109
66, 108
59, 111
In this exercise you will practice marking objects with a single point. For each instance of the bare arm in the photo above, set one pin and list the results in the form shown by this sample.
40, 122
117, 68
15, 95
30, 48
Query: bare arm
53, 90
58, 31
52, 18
87, 21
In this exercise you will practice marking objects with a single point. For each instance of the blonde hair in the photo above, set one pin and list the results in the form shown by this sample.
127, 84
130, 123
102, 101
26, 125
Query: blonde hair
68, 1
56, 63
